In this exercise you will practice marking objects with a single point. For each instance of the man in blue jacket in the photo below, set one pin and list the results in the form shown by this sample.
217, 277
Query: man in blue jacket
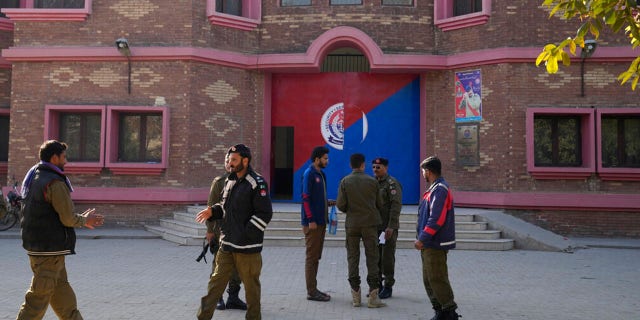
436, 234
314, 216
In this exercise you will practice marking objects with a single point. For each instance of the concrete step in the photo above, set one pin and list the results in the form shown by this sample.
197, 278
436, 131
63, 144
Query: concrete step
190, 228
285, 230
175, 236
460, 234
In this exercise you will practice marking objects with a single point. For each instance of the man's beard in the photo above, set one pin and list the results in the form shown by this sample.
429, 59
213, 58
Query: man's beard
238, 168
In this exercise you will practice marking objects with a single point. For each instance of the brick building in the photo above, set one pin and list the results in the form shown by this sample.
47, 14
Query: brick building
150, 93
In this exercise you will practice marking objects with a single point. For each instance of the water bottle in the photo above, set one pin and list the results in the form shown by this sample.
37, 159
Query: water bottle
333, 221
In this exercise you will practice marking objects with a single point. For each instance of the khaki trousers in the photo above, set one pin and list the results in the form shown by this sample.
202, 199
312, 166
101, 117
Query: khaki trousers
435, 275
314, 242
49, 286
369, 236
249, 266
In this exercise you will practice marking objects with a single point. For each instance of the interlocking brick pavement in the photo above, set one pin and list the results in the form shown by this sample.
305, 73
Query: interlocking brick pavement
155, 279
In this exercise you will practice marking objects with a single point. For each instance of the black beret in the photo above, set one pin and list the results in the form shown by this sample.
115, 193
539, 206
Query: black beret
241, 149
381, 161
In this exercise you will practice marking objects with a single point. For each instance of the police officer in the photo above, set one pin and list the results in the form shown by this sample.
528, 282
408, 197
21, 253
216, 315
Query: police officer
359, 198
391, 194
245, 211
213, 237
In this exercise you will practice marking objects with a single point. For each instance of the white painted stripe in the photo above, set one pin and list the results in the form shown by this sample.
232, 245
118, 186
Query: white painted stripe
259, 221
257, 225
50, 253
242, 247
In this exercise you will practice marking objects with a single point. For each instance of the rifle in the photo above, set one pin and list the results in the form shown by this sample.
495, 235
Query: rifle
203, 254
205, 247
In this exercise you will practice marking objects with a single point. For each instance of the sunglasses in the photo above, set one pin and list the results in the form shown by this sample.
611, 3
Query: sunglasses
376, 167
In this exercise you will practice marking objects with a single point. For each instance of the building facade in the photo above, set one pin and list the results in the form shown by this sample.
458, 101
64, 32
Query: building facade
150, 94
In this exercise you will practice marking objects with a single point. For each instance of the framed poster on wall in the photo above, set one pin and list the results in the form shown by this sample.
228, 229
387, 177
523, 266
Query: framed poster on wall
468, 101
467, 147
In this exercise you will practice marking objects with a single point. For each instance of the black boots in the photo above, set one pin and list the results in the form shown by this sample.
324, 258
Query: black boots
385, 293
234, 302
446, 315
221, 305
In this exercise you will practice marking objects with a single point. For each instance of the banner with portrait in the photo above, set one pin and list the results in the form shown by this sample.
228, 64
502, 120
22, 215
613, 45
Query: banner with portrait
468, 88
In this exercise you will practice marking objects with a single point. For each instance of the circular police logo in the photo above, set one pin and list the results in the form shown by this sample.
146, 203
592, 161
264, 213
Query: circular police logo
332, 126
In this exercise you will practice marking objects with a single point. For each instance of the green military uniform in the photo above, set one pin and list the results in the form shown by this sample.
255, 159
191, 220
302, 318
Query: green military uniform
215, 196
391, 194
359, 198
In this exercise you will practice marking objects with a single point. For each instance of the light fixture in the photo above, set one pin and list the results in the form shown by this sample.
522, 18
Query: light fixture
588, 49
123, 47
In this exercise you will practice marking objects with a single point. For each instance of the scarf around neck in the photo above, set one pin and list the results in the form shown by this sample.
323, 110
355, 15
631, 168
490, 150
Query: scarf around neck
26, 183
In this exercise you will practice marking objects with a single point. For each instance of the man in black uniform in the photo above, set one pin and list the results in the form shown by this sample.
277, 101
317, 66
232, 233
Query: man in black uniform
245, 211
213, 237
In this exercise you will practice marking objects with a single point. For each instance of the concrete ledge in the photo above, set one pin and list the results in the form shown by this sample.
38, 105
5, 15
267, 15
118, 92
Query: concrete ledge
527, 236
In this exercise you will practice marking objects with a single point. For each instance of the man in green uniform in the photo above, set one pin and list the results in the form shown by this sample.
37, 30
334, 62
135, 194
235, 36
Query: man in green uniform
48, 235
213, 237
359, 198
391, 194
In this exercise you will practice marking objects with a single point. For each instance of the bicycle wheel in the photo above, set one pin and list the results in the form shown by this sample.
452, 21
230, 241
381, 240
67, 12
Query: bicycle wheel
8, 221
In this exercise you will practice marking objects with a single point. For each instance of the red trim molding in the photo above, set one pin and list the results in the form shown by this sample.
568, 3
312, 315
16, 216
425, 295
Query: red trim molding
548, 201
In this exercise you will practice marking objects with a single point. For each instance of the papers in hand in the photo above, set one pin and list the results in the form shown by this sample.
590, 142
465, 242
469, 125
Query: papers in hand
381, 239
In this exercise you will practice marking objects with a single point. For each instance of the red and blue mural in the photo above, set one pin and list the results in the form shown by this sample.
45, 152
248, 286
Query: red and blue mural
373, 114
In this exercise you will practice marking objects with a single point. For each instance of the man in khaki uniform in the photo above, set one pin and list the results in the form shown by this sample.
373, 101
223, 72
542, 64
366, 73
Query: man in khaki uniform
358, 197
391, 194
48, 235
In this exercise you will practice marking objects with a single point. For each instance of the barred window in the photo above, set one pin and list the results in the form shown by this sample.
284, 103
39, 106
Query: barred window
620, 143
557, 141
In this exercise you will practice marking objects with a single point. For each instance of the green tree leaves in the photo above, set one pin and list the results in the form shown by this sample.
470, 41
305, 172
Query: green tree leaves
596, 15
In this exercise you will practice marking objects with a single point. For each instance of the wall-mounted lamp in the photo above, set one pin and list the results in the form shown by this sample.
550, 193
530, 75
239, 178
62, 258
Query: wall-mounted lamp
587, 50
123, 47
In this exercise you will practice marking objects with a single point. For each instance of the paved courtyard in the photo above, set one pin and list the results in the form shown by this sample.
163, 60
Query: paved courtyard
155, 279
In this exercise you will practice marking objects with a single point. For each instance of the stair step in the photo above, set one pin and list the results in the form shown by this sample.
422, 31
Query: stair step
285, 230
175, 236
190, 228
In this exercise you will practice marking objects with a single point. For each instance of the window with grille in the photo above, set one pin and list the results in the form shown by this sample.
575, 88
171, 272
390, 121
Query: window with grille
557, 141
292, 3
9, 4
59, 4
462, 7
233, 7
82, 132
620, 142
344, 2
140, 137
397, 2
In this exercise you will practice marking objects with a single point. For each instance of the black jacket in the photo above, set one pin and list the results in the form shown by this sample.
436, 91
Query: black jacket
245, 211
43, 234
